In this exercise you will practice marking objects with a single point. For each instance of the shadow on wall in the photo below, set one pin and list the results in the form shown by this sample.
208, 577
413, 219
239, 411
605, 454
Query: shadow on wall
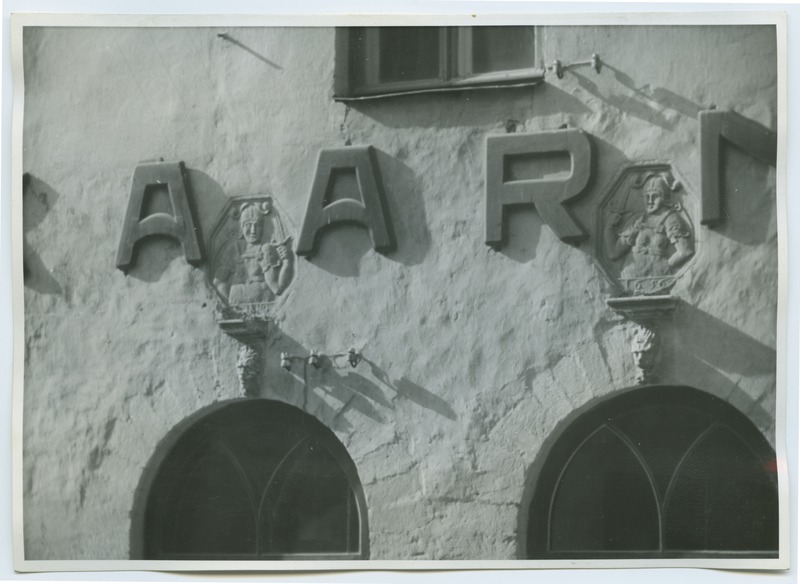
37, 199
524, 225
469, 108
709, 340
713, 350
333, 389
747, 188
748, 185
342, 247
155, 254
648, 104
247, 49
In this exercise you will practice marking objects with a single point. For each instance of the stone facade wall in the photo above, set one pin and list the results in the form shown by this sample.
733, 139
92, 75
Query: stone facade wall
472, 356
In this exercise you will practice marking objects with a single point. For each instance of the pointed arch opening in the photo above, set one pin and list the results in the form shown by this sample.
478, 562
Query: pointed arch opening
253, 480
658, 472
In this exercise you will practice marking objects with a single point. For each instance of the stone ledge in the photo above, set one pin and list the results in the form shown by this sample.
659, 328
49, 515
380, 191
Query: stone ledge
643, 308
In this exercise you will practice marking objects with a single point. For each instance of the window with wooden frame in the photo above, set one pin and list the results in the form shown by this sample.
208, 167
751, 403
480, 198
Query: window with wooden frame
380, 61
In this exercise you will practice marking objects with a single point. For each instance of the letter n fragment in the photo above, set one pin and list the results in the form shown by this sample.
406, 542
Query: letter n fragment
759, 142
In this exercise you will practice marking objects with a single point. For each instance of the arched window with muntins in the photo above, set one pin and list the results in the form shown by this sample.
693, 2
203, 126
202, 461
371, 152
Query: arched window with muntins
256, 480
656, 472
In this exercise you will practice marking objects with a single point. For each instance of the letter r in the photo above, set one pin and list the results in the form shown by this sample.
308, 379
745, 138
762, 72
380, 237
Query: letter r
549, 196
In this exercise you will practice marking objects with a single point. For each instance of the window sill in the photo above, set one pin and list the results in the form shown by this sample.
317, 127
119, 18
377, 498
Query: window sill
503, 80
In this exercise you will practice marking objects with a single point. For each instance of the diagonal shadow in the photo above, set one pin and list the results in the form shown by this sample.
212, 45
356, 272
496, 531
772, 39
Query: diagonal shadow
243, 46
311, 388
628, 104
368, 389
639, 107
342, 246
524, 226
37, 199
424, 398
713, 343
413, 392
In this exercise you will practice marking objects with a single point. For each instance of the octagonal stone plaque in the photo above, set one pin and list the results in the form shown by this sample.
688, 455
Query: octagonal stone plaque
252, 262
645, 238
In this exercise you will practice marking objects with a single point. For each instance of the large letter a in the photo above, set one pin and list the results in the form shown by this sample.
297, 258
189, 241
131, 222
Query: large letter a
179, 224
369, 212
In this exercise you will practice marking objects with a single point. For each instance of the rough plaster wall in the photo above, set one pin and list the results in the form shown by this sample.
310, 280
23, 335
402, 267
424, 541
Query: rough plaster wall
472, 356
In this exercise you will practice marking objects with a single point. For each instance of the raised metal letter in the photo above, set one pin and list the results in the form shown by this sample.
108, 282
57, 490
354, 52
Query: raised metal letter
548, 196
753, 138
179, 224
370, 211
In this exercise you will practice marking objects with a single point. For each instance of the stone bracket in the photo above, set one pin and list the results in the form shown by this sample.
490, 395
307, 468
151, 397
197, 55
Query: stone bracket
643, 309
250, 333
646, 343
244, 330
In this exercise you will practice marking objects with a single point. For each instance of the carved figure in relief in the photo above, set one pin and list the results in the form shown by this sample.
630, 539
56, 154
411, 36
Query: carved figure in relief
252, 271
656, 242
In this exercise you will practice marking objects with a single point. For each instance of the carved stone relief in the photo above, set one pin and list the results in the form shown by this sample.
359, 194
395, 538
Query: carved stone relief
645, 240
250, 332
646, 343
645, 235
253, 262
644, 347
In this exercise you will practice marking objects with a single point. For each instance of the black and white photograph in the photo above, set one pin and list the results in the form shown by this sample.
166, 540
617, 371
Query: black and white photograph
400, 293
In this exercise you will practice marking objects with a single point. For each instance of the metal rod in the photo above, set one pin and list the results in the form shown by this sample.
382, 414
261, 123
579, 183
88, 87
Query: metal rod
559, 68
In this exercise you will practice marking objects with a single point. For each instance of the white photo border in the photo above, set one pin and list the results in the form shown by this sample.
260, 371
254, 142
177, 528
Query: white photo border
786, 333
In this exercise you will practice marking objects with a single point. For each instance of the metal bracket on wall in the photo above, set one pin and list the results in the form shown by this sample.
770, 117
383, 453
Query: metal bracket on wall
559, 68
318, 360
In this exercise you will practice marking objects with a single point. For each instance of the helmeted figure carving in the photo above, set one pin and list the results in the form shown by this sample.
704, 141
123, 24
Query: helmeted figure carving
251, 270
655, 243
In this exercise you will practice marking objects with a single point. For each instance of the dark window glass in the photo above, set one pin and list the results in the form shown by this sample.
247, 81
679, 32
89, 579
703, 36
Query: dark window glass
408, 54
669, 472
388, 60
314, 508
256, 479
215, 513
722, 499
663, 433
604, 500
502, 48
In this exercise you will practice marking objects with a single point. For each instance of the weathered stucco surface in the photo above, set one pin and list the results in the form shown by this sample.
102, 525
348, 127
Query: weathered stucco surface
471, 356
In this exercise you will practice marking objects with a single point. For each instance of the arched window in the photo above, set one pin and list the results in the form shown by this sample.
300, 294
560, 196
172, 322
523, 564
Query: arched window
657, 472
256, 479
